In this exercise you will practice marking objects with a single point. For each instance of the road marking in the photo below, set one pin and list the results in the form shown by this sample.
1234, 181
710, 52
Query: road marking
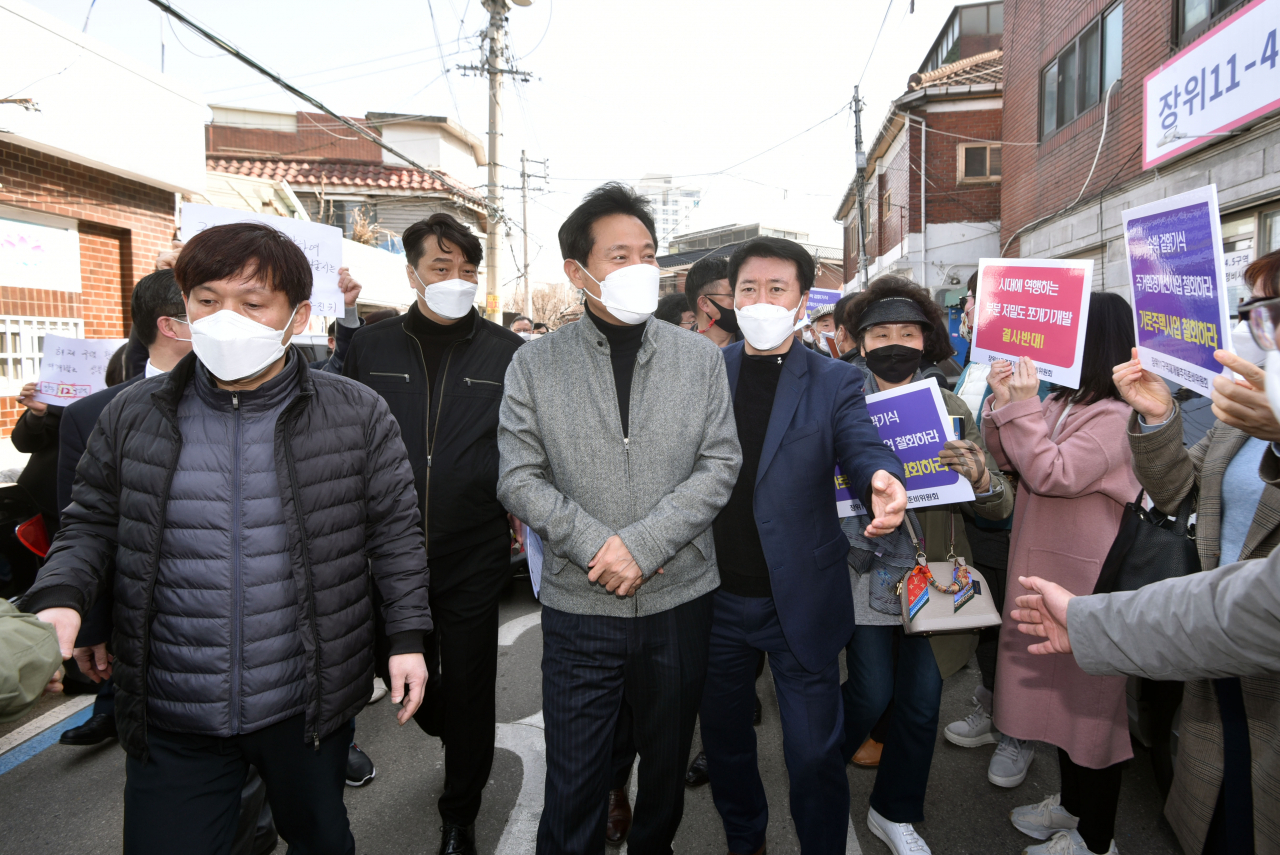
525, 739
512, 629
39, 733
851, 845
70, 707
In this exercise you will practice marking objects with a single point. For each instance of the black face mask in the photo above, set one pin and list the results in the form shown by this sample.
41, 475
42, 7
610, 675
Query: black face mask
728, 320
894, 363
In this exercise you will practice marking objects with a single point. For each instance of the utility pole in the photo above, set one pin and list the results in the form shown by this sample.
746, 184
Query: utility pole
496, 36
524, 222
861, 183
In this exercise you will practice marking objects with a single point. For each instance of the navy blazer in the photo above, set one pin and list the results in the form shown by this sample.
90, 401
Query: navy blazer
819, 419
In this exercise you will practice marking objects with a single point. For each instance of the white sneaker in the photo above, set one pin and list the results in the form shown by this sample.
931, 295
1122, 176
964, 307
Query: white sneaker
379, 690
976, 729
1043, 820
898, 836
1010, 763
1066, 843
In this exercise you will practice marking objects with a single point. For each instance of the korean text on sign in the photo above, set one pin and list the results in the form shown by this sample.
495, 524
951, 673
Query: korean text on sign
1221, 81
73, 368
912, 421
1033, 308
1174, 249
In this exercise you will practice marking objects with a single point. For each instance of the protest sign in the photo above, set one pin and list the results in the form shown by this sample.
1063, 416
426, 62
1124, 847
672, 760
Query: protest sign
913, 421
821, 297
1036, 308
1233, 265
73, 368
321, 244
1179, 299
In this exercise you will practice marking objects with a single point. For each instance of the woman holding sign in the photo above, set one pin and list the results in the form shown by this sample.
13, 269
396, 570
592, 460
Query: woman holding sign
1073, 458
897, 327
1237, 519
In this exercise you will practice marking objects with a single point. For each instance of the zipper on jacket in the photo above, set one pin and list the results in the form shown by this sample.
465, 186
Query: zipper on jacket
426, 487
306, 572
237, 595
404, 377
626, 458
469, 381
153, 574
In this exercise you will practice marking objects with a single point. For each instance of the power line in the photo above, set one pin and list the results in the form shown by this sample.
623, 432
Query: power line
551, 8
490, 210
432, 10
876, 42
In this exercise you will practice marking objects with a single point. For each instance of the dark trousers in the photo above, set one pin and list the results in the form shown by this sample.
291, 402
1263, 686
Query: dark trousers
186, 796
588, 662
915, 688
1093, 795
812, 727
105, 702
462, 661
624, 747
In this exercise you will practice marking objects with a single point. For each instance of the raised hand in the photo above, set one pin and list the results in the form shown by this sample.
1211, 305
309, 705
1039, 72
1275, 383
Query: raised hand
967, 458
888, 504
998, 380
1243, 403
1025, 382
1043, 613
1145, 392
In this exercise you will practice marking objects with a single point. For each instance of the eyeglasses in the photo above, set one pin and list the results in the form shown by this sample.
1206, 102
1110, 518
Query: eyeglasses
1264, 318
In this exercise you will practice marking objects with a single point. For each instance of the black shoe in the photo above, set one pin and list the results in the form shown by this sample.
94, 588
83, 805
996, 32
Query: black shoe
697, 774
759, 716
98, 728
458, 840
360, 769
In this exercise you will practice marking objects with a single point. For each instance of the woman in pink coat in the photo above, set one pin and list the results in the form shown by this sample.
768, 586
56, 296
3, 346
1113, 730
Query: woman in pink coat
1072, 455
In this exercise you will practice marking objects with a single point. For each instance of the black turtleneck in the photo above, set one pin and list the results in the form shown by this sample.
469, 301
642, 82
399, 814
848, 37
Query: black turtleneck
624, 345
744, 571
436, 338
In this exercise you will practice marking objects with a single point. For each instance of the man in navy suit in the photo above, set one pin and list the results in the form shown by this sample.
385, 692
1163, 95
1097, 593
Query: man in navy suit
784, 586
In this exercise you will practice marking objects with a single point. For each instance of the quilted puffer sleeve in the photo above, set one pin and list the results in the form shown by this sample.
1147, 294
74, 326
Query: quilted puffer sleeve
396, 549
81, 559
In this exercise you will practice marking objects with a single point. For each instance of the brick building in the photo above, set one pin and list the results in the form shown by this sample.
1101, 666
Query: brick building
343, 179
1062, 60
82, 214
933, 172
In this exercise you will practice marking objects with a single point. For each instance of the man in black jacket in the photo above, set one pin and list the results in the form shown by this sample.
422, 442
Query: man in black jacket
240, 508
440, 367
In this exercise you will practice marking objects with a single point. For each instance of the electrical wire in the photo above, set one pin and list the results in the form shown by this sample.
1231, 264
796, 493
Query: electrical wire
431, 9
445, 180
179, 40
551, 4
872, 52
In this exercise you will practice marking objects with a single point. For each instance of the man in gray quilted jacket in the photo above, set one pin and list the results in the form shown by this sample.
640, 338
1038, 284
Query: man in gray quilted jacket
618, 447
237, 509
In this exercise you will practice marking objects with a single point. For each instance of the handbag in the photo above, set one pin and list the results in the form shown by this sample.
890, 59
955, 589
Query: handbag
1150, 547
928, 608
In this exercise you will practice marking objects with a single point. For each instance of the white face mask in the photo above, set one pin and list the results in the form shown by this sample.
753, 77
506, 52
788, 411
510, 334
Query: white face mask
825, 341
629, 293
1246, 348
526, 336
450, 299
235, 348
808, 336
764, 325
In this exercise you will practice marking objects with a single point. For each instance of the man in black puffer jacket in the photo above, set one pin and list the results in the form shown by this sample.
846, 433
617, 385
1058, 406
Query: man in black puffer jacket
440, 368
239, 508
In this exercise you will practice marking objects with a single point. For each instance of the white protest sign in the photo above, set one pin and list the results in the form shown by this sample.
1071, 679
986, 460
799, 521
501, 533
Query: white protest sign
1233, 265
1036, 308
321, 244
73, 368
912, 420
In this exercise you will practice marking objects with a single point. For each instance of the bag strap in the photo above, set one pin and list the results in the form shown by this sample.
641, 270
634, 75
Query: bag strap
1185, 510
920, 556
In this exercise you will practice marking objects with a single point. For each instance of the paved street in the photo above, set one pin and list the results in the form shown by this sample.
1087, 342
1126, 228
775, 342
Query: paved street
68, 800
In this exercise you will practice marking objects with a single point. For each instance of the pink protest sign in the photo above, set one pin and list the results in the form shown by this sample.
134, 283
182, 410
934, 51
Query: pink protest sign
1036, 308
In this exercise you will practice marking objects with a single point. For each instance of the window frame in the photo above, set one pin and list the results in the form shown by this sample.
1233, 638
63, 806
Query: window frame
886, 204
1080, 93
988, 178
30, 330
1183, 36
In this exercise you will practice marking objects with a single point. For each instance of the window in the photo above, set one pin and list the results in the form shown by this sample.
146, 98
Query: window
976, 20
1079, 76
977, 163
886, 205
1195, 17
21, 346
